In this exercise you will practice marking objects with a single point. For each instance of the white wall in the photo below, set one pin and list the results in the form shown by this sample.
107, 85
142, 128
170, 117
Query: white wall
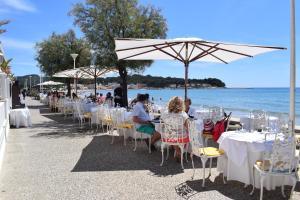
5, 104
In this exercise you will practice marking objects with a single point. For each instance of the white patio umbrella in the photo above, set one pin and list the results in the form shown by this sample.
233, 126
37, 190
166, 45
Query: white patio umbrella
186, 50
50, 83
90, 72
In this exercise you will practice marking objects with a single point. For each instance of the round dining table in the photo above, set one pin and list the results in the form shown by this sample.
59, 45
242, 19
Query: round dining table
242, 150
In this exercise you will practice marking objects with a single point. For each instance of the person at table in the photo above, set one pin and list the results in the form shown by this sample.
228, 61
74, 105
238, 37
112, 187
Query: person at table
101, 99
118, 97
176, 106
142, 120
109, 99
74, 96
190, 111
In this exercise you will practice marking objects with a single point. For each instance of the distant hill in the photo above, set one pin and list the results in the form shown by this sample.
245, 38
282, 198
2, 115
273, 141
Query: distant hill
161, 82
148, 81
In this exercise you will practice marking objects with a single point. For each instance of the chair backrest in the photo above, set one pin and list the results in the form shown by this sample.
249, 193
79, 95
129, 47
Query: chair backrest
196, 140
258, 119
282, 158
216, 113
172, 127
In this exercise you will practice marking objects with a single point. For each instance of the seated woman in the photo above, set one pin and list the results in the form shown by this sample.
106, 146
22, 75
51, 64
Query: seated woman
176, 106
142, 120
191, 112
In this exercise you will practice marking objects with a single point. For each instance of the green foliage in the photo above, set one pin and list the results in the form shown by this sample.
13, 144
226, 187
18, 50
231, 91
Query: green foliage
2, 23
53, 54
103, 20
161, 82
4, 66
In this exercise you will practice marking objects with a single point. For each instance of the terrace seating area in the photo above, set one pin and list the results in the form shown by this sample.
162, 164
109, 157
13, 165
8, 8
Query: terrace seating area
57, 158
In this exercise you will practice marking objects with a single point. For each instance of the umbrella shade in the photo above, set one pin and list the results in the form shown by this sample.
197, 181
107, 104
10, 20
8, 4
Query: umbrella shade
90, 72
50, 83
186, 50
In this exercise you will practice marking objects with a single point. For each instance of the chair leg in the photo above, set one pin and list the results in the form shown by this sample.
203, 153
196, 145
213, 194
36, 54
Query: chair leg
203, 166
210, 164
149, 146
168, 151
186, 152
294, 185
162, 154
112, 140
193, 166
124, 136
181, 156
224, 181
282, 191
261, 187
134, 142
253, 181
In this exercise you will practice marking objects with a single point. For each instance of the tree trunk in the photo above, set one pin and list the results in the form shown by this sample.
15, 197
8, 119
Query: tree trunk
123, 76
69, 86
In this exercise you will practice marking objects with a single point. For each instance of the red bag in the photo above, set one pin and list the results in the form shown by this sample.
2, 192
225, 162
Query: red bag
208, 126
220, 127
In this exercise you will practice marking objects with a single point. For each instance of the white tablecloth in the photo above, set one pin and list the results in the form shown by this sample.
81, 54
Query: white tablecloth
20, 117
243, 149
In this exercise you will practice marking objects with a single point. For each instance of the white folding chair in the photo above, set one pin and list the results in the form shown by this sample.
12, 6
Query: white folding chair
173, 132
204, 153
280, 162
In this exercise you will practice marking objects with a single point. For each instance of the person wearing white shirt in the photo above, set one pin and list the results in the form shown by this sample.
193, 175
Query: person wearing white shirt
188, 109
142, 120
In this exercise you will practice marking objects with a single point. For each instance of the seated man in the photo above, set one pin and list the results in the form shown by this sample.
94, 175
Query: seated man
188, 109
142, 120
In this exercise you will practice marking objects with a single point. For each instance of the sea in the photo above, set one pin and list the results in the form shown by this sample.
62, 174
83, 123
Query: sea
239, 101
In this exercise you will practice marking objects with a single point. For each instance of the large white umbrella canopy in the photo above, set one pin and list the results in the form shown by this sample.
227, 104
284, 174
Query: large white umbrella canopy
50, 83
186, 50
89, 72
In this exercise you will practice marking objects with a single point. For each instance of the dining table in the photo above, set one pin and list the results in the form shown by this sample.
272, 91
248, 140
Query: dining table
242, 150
20, 117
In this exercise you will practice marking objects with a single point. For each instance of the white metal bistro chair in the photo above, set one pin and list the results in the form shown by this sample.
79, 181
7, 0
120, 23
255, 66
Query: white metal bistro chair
258, 119
173, 132
204, 153
139, 135
281, 161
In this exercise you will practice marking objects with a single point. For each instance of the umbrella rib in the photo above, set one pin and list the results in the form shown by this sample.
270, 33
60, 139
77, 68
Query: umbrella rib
138, 53
181, 48
235, 52
203, 52
133, 48
210, 53
160, 49
171, 47
194, 45
155, 48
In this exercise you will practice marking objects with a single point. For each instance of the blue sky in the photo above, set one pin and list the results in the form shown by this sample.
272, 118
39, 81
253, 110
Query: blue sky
263, 22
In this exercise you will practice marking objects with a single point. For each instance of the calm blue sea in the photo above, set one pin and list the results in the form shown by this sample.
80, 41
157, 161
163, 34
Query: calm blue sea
239, 101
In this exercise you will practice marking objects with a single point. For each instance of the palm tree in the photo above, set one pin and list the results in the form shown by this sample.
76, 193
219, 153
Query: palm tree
5, 66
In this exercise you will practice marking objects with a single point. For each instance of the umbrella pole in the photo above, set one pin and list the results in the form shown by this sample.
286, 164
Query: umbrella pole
186, 66
95, 86
292, 69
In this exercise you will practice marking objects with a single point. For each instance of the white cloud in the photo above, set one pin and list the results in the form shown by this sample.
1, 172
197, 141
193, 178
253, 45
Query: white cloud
10, 43
23, 5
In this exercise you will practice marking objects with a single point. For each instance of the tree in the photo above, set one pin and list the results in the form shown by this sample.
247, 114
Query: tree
2, 23
5, 67
53, 54
103, 20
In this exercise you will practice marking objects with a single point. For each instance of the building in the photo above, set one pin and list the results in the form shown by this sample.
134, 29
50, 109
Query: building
5, 105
